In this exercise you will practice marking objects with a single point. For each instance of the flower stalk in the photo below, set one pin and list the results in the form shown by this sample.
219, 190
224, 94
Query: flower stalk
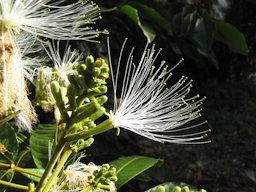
19, 169
14, 185
101, 128
48, 170
58, 168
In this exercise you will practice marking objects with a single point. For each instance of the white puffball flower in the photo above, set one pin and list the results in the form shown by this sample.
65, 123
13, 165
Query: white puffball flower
50, 19
28, 45
63, 62
146, 107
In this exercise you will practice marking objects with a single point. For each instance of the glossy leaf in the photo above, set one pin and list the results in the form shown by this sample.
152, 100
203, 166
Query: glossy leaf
129, 167
133, 14
204, 35
231, 36
39, 142
153, 15
8, 143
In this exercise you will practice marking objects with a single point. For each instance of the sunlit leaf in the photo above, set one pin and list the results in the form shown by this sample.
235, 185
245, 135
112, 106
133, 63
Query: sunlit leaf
129, 167
34, 178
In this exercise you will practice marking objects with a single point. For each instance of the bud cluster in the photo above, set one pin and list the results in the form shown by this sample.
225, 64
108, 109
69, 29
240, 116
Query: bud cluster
79, 103
79, 176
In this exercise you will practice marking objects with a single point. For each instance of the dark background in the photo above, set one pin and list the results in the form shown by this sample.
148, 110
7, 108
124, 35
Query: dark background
224, 75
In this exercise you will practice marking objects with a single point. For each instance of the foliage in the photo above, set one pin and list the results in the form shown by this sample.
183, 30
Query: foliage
190, 29
74, 88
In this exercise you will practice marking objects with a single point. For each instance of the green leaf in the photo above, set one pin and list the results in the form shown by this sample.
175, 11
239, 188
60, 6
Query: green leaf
6, 176
153, 15
9, 143
133, 14
34, 178
171, 186
231, 36
203, 35
129, 167
39, 142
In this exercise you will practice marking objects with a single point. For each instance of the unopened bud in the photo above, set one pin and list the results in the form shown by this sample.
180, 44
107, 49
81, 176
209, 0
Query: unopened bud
160, 189
185, 189
176, 189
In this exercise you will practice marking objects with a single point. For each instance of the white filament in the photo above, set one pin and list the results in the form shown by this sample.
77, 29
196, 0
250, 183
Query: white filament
149, 109
51, 20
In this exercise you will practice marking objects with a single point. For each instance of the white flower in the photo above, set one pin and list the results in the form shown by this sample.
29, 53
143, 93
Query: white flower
52, 20
149, 109
63, 64
13, 88
28, 46
78, 176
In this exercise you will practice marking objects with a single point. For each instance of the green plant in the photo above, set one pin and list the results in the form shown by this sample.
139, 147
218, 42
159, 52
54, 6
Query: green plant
74, 86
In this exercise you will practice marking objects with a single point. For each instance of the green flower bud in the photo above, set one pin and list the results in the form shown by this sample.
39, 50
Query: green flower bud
55, 88
96, 71
72, 80
81, 83
59, 96
185, 189
63, 94
89, 60
104, 70
93, 92
71, 96
81, 144
105, 75
91, 110
81, 69
160, 189
176, 189
103, 187
102, 99
99, 62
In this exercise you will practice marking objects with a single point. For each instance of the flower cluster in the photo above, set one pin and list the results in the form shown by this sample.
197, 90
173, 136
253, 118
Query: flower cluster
22, 23
79, 176
51, 20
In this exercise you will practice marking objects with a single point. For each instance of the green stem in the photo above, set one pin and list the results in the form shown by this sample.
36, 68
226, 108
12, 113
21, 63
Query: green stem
19, 169
87, 189
13, 185
109, 10
57, 170
5, 165
31, 187
58, 150
103, 127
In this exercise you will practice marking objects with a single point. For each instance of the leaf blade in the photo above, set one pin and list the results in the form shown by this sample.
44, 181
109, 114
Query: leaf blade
129, 167
133, 14
39, 142
231, 36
